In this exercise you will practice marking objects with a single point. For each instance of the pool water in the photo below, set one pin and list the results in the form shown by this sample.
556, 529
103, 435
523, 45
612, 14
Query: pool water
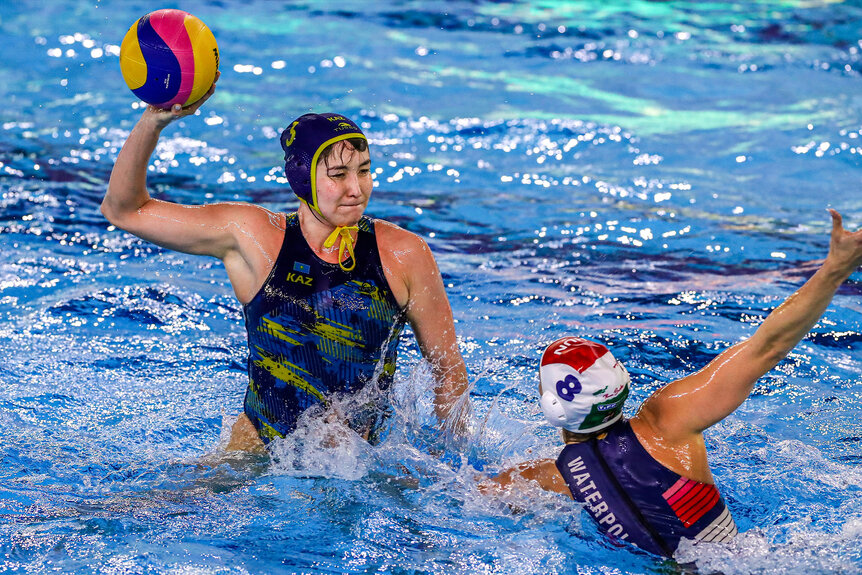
652, 174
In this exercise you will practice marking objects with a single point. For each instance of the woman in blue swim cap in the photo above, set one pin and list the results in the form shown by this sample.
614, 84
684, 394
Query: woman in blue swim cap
325, 290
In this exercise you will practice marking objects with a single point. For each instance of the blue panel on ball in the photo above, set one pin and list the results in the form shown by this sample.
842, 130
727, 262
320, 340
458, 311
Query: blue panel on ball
163, 68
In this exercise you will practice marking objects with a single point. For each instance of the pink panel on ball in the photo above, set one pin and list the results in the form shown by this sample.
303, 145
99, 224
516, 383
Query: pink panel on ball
170, 26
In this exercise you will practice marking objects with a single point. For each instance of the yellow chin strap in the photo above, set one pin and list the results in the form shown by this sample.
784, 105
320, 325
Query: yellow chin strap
346, 243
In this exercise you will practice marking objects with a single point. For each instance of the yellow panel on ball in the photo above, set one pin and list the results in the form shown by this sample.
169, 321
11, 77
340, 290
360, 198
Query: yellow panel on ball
132, 64
206, 57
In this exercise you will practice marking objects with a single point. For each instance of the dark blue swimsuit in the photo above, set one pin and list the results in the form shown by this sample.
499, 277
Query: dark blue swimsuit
635, 498
316, 331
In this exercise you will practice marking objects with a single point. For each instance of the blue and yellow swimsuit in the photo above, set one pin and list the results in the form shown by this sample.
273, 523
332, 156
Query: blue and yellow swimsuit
316, 331
635, 498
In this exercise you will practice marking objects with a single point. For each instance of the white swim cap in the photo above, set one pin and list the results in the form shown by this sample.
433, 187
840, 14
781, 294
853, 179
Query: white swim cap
583, 386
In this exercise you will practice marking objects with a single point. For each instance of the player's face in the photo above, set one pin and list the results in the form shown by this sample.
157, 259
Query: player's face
344, 184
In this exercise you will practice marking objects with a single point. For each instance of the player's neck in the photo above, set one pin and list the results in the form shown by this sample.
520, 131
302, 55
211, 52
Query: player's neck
316, 230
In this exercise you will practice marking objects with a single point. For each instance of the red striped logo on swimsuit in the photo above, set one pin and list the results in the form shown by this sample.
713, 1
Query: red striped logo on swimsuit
691, 500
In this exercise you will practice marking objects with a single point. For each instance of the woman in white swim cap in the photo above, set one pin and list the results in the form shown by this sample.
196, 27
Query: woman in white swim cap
646, 480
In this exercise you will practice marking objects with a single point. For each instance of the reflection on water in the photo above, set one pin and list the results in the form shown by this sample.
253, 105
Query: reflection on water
651, 174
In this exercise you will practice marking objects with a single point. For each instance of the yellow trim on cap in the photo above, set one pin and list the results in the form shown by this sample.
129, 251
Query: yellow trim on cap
320, 149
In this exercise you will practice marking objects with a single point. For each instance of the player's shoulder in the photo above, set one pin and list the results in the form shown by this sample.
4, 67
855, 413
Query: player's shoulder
393, 236
405, 254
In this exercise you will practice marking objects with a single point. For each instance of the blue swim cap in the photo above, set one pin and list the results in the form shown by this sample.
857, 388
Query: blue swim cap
303, 141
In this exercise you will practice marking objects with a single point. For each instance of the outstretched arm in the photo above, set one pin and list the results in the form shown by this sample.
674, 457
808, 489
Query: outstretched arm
542, 471
691, 404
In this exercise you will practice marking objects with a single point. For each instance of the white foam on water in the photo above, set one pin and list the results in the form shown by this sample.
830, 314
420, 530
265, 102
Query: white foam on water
808, 518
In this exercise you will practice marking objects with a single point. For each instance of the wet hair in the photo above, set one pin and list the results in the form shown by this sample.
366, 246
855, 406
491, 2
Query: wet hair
572, 437
358, 144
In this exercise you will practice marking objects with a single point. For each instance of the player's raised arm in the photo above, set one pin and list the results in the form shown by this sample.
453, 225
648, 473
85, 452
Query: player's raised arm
128, 205
219, 230
646, 480
694, 403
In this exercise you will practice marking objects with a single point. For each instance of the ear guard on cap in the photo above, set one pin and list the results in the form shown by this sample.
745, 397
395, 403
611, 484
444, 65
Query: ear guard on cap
554, 411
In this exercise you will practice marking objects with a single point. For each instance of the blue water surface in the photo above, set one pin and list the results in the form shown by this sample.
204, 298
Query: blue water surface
652, 174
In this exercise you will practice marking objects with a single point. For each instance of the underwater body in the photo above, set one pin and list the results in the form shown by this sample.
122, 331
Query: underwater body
651, 175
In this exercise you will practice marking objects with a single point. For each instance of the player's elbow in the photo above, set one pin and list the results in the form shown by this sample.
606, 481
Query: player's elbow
775, 355
771, 350
112, 214
106, 210
117, 213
